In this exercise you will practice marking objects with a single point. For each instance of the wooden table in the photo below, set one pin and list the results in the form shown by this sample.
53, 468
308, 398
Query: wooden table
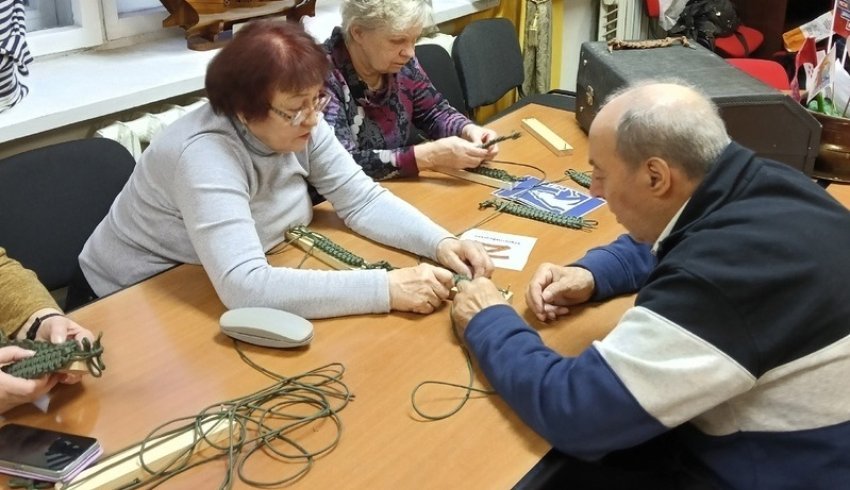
166, 358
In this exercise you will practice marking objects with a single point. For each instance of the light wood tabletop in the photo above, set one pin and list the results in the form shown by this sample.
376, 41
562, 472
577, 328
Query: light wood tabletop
166, 358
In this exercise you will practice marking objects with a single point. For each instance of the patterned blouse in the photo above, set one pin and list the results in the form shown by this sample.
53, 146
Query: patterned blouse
379, 127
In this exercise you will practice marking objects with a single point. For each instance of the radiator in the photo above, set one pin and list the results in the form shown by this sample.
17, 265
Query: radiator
136, 134
623, 19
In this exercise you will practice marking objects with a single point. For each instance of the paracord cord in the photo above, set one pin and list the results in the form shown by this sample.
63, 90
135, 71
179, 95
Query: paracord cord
520, 164
469, 388
321, 388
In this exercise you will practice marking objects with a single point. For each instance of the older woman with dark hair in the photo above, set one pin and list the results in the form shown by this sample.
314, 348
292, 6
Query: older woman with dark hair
380, 95
220, 187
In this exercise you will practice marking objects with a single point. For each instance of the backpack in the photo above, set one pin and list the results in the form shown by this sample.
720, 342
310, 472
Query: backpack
705, 20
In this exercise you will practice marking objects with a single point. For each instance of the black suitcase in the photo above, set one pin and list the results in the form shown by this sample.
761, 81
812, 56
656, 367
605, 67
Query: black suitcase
756, 115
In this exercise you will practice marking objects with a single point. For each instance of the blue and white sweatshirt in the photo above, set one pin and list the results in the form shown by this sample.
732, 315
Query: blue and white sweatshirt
739, 339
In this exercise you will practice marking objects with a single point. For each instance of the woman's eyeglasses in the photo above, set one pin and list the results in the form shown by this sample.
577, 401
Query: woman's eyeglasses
296, 119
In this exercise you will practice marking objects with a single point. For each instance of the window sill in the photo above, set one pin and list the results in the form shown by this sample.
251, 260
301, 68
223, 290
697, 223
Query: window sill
69, 89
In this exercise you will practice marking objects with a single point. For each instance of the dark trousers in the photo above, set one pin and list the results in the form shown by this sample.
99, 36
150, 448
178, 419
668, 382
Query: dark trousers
658, 464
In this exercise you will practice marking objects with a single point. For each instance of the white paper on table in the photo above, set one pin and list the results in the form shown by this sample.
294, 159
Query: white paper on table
507, 251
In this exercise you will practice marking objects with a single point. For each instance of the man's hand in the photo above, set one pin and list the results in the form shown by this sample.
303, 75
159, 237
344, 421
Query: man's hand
419, 289
472, 297
17, 391
465, 257
554, 287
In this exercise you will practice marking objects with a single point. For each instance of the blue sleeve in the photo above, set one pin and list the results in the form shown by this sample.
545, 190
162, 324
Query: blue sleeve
620, 267
576, 403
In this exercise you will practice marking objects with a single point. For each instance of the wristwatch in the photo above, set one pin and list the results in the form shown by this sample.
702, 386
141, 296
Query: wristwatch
33, 330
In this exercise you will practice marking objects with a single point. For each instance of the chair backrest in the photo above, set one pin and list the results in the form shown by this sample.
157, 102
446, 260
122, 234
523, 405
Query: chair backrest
52, 198
768, 71
488, 60
438, 65
739, 44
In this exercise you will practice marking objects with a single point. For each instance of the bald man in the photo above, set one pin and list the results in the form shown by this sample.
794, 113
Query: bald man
737, 349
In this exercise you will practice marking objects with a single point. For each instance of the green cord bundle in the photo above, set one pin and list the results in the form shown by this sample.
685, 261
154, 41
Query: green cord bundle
260, 422
468, 387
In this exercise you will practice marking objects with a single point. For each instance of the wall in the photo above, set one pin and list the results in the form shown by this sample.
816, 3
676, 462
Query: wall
509, 9
580, 19
573, 22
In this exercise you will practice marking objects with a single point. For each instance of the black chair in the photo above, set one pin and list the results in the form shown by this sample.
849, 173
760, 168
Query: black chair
52, 199
440, 68
489, 64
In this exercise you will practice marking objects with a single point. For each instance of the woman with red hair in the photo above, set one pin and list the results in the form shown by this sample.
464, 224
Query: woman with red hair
221, 186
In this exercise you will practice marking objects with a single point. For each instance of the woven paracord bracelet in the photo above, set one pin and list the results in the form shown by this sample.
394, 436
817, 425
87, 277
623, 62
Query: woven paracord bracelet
524, 211
50, 357
581, 178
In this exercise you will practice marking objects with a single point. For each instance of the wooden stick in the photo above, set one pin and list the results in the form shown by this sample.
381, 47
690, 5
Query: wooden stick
547, 136
125, 467
76, 367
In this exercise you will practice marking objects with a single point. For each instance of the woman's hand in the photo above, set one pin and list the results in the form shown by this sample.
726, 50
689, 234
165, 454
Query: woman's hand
452, 152
480, 136
465, 257
58, 329
420, 289
17, 391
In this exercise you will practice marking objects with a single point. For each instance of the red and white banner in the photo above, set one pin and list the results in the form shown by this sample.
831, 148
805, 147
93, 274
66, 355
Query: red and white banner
841, 18
807, 57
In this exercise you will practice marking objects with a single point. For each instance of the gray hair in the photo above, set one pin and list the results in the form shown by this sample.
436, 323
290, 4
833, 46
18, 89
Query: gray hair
396, 15
685, 132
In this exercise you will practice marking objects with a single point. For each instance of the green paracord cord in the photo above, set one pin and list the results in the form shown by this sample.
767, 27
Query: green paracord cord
51, 357
326, 245
468, 387
259, 423
524, 211
494, 173
581, 178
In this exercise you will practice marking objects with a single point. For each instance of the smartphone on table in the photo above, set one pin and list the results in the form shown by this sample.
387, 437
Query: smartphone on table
43, 454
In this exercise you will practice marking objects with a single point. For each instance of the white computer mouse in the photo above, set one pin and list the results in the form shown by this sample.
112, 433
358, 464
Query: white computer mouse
268, 327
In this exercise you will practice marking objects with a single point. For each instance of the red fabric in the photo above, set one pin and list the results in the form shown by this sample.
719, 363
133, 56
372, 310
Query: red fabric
653, 8
807, 57
731, 47
841, 18
769, 72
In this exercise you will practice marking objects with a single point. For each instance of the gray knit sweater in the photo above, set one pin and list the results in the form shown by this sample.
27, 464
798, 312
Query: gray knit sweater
208, 192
